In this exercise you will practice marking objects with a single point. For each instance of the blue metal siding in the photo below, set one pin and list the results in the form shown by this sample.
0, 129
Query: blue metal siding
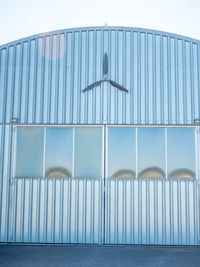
41, 82
42, 78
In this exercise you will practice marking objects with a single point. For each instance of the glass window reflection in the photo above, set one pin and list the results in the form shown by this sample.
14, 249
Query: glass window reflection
181, 153
151, 153
88, 152
58, 157
121, 152
29, 156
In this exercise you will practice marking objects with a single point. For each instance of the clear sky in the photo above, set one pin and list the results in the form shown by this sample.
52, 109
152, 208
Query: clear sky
22, 18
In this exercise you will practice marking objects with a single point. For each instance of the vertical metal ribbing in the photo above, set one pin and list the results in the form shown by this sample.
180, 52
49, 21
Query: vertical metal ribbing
85, 211
105, 179
163, 212
45, 210
64, 75
61, 240
30, 210
27, 81
100, 230
12, 84
57, 85
156, 211
5, 84
22, 210
92, 211
169, 81
1, 173
195, 215
184, 81
163, 119
154, 86
139, 78
15, 211
140, 211
8, 143
116, 212
79, 84
53, 210
124, 217
146, 66
42, 82
179, 213
192, 82
187, 214
49, 100
131, 80
76, 222
124, 78
38, 209
198, 182
115, 77
132, 224
69, 211
147, 212
176, 80
35, 75
86, 78
12, 184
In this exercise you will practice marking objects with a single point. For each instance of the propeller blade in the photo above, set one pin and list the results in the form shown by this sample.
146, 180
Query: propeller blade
105, 64
117, 85
92, 86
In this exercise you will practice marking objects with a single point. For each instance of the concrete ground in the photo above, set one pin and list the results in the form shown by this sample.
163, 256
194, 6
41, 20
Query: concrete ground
68, 255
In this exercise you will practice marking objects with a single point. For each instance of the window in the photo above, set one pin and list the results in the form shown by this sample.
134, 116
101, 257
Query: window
181, 153
88, 152
29, 154
121, 152
151, 153
59, 152
140, 153
58, 156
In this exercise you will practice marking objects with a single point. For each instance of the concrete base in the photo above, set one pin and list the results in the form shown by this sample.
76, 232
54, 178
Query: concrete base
68, 255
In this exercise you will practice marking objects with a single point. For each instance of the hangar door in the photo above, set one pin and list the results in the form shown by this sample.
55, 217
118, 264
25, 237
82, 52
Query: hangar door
151, 194
105, 185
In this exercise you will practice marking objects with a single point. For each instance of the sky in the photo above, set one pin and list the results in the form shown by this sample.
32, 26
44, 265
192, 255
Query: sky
23, 18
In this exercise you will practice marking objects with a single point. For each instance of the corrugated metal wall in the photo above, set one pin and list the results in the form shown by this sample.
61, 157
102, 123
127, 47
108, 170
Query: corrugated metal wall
151, 212
41, 79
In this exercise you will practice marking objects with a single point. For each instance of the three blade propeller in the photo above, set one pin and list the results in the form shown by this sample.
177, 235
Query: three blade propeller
105, 71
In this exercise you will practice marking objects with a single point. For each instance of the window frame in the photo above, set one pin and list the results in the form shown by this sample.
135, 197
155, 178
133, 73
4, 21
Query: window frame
45, 126
104, 128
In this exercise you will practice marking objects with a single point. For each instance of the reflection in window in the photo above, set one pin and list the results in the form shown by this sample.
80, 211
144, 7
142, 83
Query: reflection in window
121, 152
124, 174
29, 156
59, 143
88, 152
181, 153
153, 172
151, 153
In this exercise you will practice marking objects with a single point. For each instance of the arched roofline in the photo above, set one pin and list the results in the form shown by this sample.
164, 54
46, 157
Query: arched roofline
123, 28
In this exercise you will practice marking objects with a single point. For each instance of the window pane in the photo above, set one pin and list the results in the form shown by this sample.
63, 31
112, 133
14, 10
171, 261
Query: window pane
121, 152
29, 157
181, 153
88, 152
59, 144
151, 153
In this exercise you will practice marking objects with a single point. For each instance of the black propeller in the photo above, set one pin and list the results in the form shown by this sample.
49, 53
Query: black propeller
105, 64
117, 85
105, 71
92, 86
